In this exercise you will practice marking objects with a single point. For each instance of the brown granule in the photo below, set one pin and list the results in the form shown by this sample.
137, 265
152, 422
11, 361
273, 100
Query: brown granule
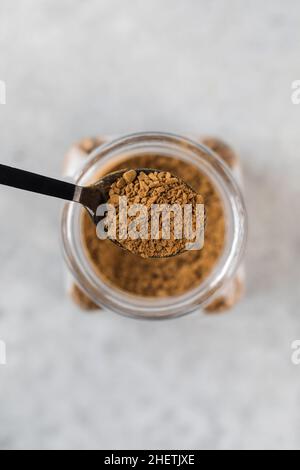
226, 301
89, 144
236, 287
82, 300
149, 191
222, 149
161, 277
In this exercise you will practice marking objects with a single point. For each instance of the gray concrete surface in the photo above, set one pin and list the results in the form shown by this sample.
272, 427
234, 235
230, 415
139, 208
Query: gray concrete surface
75, 68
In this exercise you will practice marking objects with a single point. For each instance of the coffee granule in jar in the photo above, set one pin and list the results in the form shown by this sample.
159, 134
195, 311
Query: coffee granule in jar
100, 253
160, 277
153, 234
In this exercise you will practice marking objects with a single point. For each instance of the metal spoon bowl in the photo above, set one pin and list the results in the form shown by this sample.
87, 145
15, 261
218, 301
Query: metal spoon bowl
91, 197
104, 185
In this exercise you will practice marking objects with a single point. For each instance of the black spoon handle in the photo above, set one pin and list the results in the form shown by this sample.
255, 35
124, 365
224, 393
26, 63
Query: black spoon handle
36, 183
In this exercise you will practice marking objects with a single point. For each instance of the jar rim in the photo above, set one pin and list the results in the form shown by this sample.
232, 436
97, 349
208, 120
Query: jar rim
106, 295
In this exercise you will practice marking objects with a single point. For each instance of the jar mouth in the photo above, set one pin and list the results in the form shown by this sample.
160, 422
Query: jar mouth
112, 298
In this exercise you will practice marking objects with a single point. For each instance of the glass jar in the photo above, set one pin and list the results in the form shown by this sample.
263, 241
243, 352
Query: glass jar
111, 298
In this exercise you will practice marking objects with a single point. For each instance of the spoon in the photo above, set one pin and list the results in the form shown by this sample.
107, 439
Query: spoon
90, 197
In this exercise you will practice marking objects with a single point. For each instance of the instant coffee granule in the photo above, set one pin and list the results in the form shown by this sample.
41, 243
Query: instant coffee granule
150, 191
163, 277
160, 277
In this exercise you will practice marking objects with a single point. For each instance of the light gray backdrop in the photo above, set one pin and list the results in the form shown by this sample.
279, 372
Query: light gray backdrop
78, 68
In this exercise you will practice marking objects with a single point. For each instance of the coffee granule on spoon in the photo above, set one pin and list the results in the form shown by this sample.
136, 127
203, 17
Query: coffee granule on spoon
146, 193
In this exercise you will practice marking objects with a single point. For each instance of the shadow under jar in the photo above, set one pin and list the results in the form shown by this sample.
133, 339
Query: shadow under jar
158, 288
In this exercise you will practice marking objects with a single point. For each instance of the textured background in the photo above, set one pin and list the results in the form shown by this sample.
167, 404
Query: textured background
78, 68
